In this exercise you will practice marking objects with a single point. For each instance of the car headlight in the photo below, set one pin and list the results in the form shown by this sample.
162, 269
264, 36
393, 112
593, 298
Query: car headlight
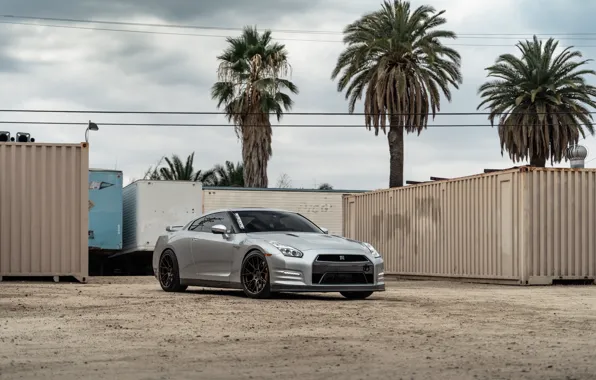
372, 250
286, 250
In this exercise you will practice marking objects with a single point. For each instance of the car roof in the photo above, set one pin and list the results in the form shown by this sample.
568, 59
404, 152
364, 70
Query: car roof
246, 209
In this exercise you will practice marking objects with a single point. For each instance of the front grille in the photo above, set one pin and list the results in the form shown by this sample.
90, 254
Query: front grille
342, 269
331, 278
342, 258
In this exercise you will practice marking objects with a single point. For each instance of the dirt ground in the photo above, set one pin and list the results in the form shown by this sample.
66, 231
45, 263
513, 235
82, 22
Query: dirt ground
128, 328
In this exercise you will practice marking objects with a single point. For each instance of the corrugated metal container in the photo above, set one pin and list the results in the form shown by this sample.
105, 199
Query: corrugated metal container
105, 209
44, 210
150, 206
323, 207
523, 226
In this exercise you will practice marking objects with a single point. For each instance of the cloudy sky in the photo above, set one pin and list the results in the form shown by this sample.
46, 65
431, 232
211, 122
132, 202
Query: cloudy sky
45, 67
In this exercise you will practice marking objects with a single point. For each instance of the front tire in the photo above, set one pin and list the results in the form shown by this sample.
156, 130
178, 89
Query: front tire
356, 295
169, 273
254, 276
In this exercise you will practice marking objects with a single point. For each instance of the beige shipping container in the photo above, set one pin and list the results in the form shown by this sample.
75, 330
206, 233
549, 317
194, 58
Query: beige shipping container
44, 210
322, 207
522, 226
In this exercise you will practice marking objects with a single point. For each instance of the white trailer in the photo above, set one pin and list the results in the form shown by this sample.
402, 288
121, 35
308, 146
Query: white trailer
322, 207
150, 206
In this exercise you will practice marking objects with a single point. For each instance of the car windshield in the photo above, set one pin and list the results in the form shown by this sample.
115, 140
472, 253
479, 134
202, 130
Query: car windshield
273, 221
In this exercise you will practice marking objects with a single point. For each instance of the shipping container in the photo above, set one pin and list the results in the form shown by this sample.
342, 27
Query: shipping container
521, 226
44, 210
150, 206
105, 210
322, 207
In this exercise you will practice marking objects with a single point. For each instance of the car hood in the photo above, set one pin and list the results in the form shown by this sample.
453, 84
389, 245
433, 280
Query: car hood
308, 241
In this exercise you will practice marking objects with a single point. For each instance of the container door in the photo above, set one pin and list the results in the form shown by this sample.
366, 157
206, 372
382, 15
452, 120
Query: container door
351, 218
505, 214
105, 210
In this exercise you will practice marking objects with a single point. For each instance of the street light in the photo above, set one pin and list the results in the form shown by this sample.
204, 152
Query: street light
91, 127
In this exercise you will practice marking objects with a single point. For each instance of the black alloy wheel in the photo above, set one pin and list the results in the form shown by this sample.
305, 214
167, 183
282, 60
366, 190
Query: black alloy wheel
168, 273
255, 276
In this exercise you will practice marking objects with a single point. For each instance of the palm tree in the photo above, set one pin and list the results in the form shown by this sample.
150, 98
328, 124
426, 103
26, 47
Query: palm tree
541, 101
176, 170
153, 173
229, 174
396, 59
250, 87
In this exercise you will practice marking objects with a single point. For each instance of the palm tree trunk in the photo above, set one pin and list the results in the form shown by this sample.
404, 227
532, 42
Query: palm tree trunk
256, 150
396, 153
537, 160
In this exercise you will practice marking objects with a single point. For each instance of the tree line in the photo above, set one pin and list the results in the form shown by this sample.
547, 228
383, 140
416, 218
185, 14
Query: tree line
396, 62
227, 175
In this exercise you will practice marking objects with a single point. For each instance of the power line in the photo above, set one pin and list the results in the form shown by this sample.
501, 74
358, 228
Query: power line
289, 31
256, 113
67, 123
221, 125
125, 30
174, 26
225, 36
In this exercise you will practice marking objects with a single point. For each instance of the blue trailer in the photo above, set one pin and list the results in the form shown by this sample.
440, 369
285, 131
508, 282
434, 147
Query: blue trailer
105, 210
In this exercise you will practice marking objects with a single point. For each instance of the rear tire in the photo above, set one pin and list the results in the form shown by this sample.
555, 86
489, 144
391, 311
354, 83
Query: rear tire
255, 276
169, 273
356, 295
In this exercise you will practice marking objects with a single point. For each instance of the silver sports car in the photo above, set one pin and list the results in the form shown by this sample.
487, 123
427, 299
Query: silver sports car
263, 251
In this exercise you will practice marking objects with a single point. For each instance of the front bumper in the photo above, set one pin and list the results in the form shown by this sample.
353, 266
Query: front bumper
312, 274
327, 288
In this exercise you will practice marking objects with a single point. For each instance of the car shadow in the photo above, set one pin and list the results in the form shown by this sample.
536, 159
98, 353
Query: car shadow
275, 296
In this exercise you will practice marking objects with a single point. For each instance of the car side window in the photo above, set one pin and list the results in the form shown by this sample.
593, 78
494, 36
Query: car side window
215, 219
210, 221
197, 225
227, 221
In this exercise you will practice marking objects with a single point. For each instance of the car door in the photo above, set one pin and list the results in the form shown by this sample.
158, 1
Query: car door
183, 248
213, 253
195, 234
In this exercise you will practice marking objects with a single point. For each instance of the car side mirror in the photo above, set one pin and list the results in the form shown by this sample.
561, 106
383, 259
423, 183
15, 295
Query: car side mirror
173, 228
325, 231
219, 229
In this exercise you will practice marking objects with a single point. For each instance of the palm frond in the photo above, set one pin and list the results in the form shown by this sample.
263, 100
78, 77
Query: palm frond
177, 170
540, 99
229, 174
396, 60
